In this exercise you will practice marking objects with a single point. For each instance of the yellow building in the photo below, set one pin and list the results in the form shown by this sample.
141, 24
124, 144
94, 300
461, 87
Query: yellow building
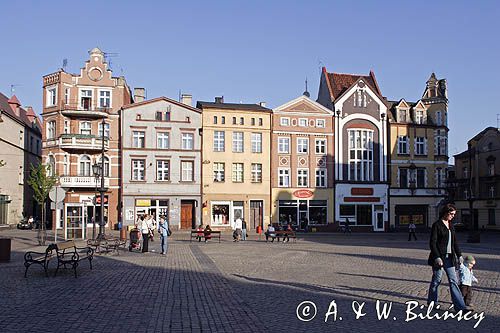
419, 156
235, 163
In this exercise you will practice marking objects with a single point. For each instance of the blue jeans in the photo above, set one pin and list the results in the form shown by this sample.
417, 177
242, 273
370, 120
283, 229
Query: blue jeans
437, 274
244, 234
163, 240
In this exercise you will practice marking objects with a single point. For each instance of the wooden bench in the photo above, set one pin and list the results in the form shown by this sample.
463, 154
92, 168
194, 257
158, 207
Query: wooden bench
69, 254
213, 233
284, 233
40, 258
107, 245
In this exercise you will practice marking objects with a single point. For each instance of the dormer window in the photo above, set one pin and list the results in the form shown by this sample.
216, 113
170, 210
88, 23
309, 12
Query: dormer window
402, 116
419, 117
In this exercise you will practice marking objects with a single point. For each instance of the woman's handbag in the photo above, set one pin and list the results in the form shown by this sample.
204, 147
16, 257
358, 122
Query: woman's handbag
169, 232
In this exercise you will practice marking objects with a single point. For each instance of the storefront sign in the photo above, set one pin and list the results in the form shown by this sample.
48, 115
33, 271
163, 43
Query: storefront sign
362, 191
143, 202
303, 194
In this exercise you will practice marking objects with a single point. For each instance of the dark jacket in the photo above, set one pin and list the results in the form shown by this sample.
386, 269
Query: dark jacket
439, 242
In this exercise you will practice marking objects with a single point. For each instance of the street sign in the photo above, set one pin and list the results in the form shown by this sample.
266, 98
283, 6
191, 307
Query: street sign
58, 205
57, 194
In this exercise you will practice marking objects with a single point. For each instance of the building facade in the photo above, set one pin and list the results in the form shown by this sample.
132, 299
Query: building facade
20, 147
360, 149
302, 164
235, 163
80, 119
477, 180
162, 161
419, 156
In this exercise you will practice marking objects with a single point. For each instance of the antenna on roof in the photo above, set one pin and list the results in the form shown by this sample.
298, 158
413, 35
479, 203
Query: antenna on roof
64, 64
180, 95
108, 56
306, 93
13, 89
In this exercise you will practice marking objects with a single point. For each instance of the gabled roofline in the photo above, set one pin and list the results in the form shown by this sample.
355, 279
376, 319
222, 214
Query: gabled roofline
159, 99
382, 99
305, 99
330, 89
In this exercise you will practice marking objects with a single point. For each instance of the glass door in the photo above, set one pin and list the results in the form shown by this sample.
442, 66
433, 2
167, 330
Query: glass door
75, 217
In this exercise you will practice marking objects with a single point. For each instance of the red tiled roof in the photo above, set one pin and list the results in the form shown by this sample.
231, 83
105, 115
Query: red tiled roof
14, 100
339, 83
24, 116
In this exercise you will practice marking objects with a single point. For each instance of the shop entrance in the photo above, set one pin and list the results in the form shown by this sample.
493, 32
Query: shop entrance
256, 216
187, 215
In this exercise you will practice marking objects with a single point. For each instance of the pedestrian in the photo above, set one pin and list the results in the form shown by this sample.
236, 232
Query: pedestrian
347, 226
207, 233
270, 232
199, 232
144, 227
152, 226
412, 228
238, 225
444, 253
30, 221
287, 230
163, 232
466, 279
243, 230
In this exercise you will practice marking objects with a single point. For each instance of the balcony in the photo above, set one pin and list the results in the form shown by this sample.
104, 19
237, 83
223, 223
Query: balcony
77, 111
51, 79
82, 142
82, 181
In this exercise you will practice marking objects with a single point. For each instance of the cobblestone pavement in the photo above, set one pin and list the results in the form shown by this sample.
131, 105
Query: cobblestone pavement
250, 286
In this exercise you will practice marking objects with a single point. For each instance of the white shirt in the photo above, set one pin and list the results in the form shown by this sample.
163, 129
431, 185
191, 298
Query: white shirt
238, 224
144, 226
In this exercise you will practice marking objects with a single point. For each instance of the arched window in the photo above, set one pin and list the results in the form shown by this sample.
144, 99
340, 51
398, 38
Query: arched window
106, 166
51, 165
85, 166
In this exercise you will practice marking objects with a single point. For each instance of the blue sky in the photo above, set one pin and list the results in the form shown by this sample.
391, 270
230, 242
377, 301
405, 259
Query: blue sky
251, 51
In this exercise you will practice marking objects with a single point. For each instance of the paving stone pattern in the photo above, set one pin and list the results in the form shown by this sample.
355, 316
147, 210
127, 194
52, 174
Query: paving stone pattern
250, 286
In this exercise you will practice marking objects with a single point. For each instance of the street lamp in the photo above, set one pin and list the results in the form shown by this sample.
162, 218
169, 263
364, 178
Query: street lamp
474, 235
101, 190
96, 171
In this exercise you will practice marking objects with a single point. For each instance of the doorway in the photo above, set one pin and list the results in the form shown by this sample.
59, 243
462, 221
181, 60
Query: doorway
256, 214
187, 214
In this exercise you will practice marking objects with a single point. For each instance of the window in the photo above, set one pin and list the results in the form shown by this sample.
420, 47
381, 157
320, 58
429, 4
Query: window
360, 99
440, 177
51, 96
66, 166
253, 122
302, 145
403, 177
302, 177
491, 168
420, 145
284, 177
283, 145
237, 142
67, 127
159, 116
106, 130
138, 170
219, 172
419, 117
163, 140
402, 116
439, 118
106, 165
187, 171
85, 168
51, 129
66, 96
320, 146
86, 99
440, 143
187, 141
420, 181
85, 128
162, 170
402, 145
256, 142
260, 122
219, 141
51, 165
360, 155
465, 172
238, 172
320, 177
234, 120
491, 191
222, 120
138, 139
256, 173
104, 98
320, 123
167, 115
284, 121
215, 119
242, 121
302, 122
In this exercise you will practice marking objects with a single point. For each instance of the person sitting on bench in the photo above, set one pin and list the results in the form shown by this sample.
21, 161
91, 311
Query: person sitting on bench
208, 233
271, 232
285, 235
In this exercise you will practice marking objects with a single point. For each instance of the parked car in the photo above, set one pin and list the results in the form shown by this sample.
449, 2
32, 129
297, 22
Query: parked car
24, 224
460, 226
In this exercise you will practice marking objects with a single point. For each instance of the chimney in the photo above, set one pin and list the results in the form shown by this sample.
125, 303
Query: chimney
187, 99
15, 105
219, 100
263, 104
139, 94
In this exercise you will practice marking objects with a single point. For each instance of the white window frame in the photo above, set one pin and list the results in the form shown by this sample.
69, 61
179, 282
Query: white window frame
67, 126
238, 173
219, 172
106, 167
256, 142
419, 145
402, 115
85, 126
302, 177
84, 166
138, 139
321, 146
67, 95
360, 142
321, 123
284, 121
256, 173
321, 177
284, 177
138, 169
106, 130
403, 144
187, 171
419, 117
283, 142
301, 145
219, 141
163, 140
187, 141
162, 170
66, 165
238, 142
105, 98
303, 122
51, 129
51, 96
81, 96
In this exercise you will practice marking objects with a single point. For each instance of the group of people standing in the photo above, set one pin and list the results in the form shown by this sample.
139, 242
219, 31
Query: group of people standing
239, 227
147, 226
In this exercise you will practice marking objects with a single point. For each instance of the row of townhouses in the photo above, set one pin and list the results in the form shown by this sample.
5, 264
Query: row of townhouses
351, 154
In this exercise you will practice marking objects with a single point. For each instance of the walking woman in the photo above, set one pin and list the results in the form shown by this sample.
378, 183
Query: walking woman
444, 254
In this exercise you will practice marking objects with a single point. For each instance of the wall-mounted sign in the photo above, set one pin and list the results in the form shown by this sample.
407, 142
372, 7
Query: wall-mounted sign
303, 194
143, 202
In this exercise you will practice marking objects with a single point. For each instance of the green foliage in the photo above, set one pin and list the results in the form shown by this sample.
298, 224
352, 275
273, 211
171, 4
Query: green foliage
41, 182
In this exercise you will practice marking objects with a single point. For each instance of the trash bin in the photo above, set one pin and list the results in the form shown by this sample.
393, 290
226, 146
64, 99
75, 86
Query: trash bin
123, 234
5, 249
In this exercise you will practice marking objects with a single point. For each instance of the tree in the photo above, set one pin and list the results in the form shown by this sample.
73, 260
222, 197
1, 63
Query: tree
41, 182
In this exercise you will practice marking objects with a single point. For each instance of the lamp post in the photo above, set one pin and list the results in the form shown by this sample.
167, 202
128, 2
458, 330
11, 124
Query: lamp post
101, 190
474, 235
96, 171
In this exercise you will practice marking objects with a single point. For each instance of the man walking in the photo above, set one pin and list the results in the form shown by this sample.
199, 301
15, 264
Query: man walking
163, 232
412, 228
